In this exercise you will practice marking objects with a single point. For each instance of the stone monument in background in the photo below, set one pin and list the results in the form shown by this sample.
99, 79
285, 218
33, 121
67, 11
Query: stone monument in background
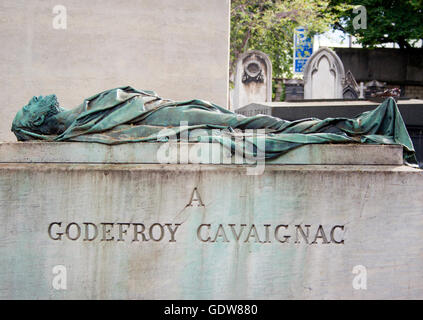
351, 89
324, 76
253, 79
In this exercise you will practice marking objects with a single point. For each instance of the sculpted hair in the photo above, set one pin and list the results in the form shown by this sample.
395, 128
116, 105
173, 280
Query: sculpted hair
34, 117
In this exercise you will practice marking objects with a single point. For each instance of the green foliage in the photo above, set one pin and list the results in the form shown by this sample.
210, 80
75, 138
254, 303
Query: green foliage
397, 21
268, 26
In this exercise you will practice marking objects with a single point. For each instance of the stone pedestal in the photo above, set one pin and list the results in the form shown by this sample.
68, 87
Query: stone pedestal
191, 153
203, 231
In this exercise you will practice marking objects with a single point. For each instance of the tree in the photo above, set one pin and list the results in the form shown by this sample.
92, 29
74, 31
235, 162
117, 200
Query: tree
388, 21
268, 25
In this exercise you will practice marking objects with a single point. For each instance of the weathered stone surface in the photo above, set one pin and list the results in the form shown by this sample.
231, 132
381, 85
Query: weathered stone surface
178, 48
378, 207
253, 79
324, 75
78, 152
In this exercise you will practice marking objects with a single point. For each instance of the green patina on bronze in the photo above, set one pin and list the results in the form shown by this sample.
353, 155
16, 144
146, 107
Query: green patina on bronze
125, 115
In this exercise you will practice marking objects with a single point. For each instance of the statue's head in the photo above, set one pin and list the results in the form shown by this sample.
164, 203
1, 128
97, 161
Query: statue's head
34, 117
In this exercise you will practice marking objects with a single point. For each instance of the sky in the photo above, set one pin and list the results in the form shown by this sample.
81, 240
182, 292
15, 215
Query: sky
337, 38
333, 38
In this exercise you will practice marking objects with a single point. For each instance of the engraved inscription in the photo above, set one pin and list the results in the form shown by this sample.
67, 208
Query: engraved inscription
266, 233
195, 200
305, 234
108, 231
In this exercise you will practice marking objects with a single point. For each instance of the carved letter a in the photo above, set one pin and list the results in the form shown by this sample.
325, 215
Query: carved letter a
195, 197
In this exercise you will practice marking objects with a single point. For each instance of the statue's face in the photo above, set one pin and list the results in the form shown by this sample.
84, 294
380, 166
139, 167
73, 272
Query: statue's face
34, 115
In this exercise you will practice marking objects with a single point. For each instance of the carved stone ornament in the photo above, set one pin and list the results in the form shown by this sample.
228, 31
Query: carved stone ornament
252, 79
252, 72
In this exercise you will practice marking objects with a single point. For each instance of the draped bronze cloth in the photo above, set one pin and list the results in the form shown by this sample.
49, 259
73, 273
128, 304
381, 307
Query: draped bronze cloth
127, 115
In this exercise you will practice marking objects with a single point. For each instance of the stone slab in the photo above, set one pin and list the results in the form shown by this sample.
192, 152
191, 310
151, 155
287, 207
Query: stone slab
371, 217
411, 109
78, 152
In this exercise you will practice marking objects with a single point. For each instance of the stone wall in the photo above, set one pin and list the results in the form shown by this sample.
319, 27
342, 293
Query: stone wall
394, 66
210, 231
180, 49
414, 92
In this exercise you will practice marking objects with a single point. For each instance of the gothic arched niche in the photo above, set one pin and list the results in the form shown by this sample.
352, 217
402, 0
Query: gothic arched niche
324, 76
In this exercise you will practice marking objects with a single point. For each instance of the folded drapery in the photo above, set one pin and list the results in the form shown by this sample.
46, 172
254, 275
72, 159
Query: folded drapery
124, 115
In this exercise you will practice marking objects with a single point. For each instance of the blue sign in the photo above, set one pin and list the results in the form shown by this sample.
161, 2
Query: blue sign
303, 49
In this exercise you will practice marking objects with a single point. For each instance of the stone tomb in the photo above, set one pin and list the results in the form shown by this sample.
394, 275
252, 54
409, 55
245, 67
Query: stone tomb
324, 75
116, 230
253, 79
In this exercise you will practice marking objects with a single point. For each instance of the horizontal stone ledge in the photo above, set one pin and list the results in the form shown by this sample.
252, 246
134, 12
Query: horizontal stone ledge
192, 153
199, 169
